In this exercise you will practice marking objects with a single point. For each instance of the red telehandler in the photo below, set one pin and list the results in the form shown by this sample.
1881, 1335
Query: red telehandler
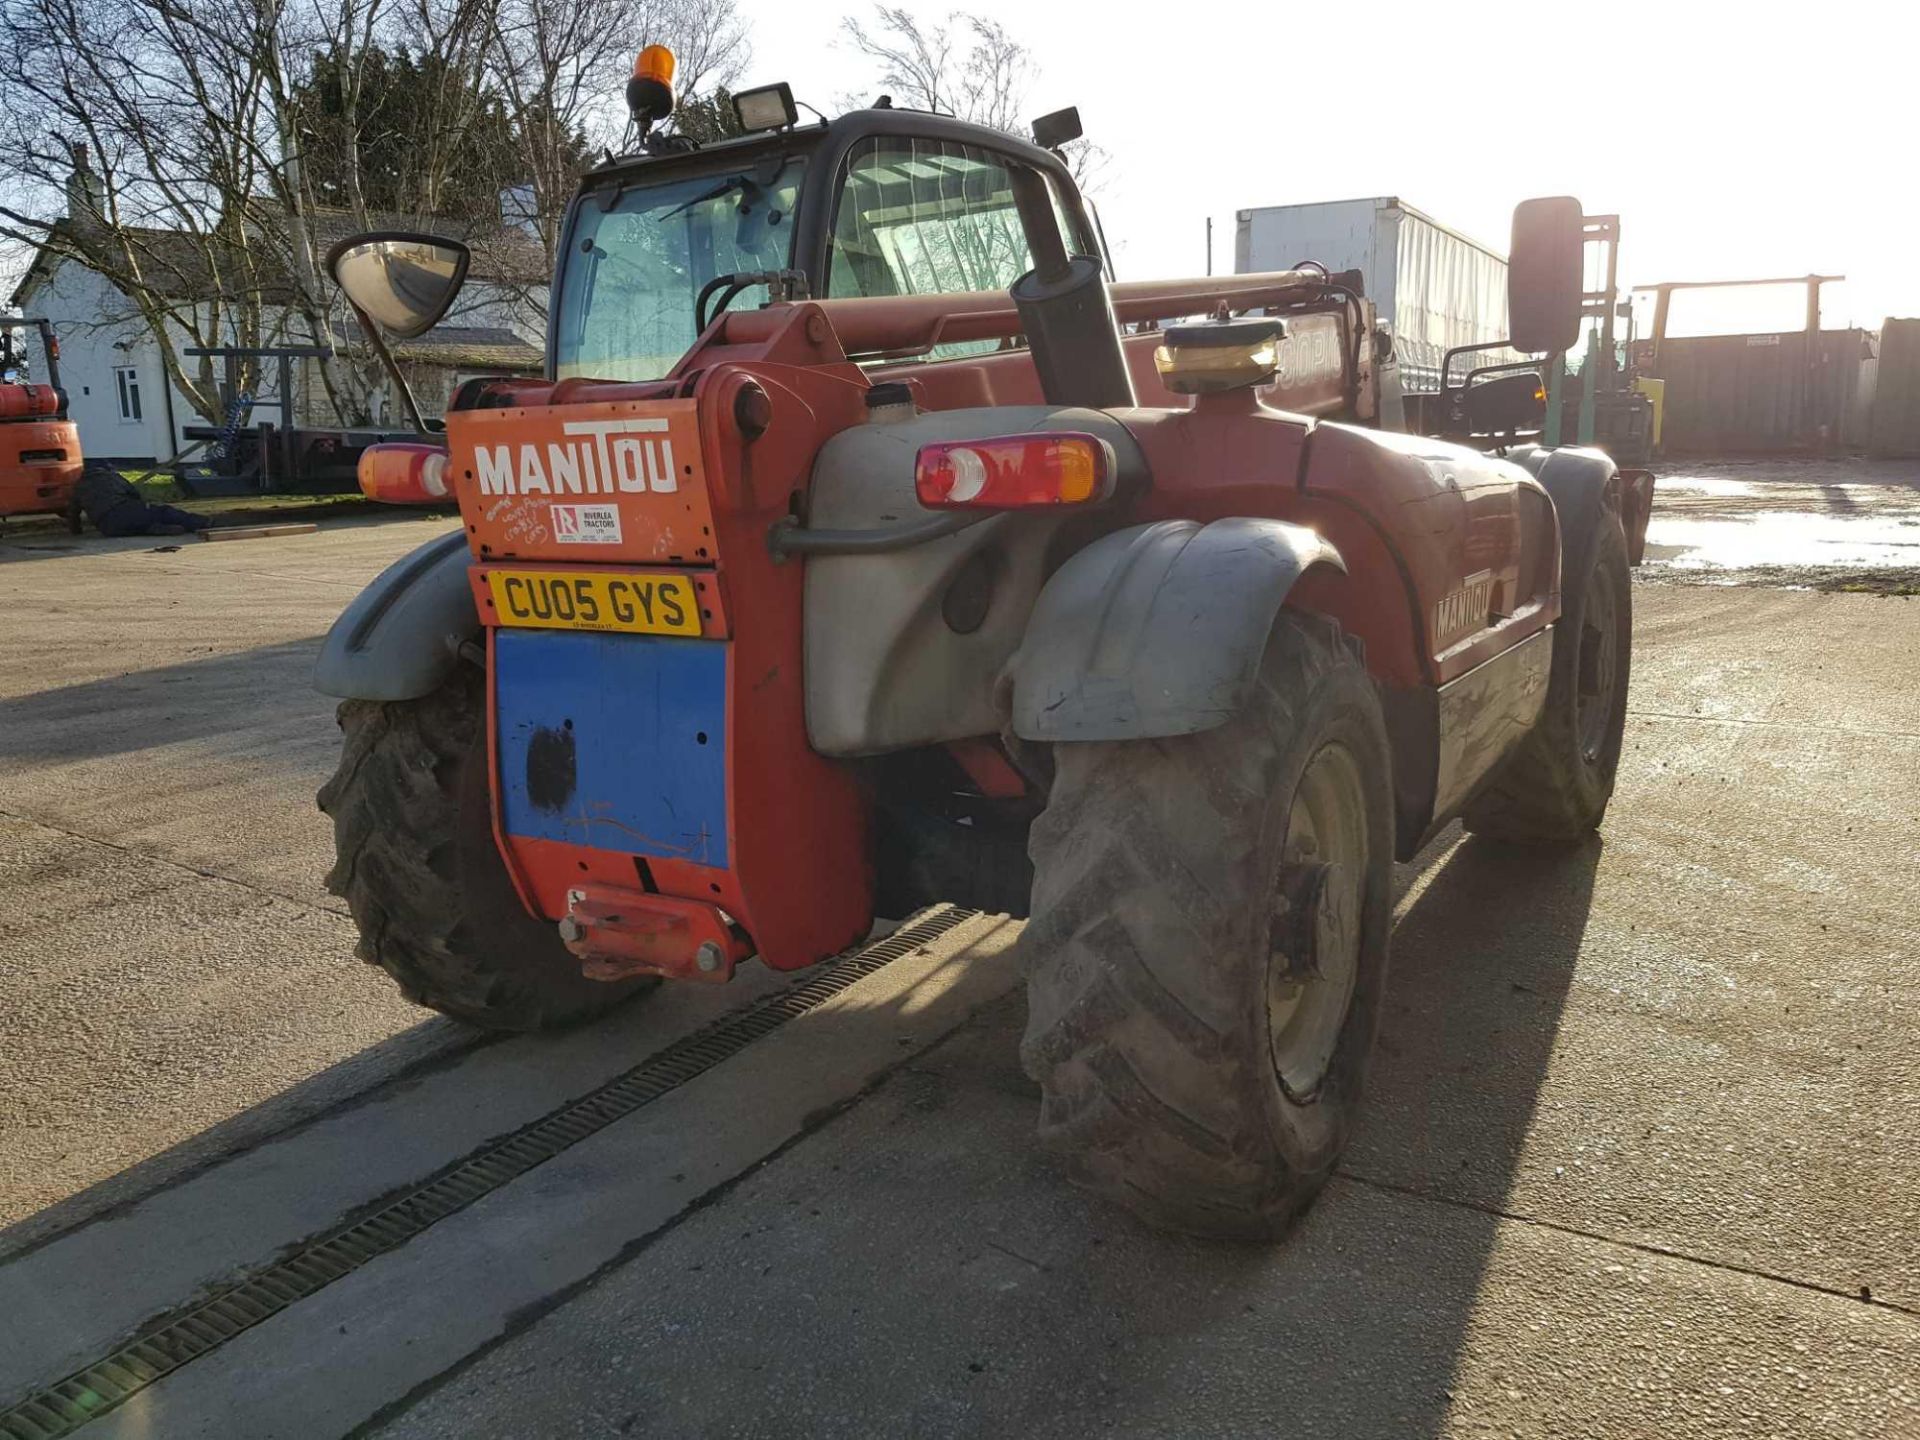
863, 547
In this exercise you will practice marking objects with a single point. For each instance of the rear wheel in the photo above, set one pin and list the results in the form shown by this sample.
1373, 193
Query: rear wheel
418, 867
1208, 945
1556, 786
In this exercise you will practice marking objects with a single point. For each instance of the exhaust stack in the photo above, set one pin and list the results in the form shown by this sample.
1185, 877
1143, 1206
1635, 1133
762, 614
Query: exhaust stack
1065, 311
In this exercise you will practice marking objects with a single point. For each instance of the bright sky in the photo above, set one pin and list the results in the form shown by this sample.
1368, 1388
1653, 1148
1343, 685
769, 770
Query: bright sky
1734, 140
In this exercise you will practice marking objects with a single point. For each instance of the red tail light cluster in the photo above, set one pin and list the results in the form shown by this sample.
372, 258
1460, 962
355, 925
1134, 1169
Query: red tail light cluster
1014, 472
401, 473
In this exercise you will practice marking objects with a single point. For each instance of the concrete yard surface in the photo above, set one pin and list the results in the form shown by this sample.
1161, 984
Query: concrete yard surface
918, 1269
1641, 1153
1642, 1134
170, 960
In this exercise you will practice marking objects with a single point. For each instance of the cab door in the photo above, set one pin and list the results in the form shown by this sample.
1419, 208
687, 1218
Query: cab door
930, 216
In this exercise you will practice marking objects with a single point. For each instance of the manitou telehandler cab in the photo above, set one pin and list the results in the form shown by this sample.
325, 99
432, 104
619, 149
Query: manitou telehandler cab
39, 446
862, 547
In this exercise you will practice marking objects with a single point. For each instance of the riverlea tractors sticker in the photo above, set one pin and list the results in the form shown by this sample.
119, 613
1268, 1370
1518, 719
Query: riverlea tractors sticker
585, 524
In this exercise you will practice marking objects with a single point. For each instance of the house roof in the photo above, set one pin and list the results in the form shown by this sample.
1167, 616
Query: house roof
500, 253
465, 347
174, 262
182, 265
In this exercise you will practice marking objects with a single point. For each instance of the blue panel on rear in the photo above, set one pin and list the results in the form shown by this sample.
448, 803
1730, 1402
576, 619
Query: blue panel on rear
613, 741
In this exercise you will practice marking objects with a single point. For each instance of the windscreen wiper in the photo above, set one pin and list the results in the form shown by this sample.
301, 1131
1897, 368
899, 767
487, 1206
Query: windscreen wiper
725, 187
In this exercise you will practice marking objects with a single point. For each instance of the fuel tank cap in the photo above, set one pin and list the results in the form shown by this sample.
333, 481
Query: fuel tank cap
1210, 356
1240, 330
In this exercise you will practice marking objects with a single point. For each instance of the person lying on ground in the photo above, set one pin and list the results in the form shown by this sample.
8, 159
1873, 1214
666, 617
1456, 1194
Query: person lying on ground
116, 508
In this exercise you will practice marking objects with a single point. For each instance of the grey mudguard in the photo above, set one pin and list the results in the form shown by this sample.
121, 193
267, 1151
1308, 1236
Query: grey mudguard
397, 640
1580, 480
885, 670
1157, 629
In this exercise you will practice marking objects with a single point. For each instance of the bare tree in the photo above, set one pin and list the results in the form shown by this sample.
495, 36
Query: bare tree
178, 161
348, 32
563, 65
126, 142
967, 66
167, 162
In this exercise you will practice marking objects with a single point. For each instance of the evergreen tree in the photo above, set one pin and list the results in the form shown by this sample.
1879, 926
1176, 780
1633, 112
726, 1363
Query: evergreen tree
425, 139
709, 117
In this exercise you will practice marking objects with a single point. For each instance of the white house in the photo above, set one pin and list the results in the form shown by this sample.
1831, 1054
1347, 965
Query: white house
127, 409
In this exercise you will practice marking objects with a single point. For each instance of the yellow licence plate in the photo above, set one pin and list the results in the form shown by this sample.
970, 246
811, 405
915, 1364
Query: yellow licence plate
570, 600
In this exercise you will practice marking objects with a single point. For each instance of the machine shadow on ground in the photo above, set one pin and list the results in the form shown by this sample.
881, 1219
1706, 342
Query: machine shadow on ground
25, 545
1483, 961
1357, 1323
1354, 1326
400, 1060
407, 1072
265, 692
362, 1152
952, 1260
1484, 957
1483, 967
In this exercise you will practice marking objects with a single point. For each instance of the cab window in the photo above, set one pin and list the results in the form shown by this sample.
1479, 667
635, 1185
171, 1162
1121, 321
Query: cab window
921, 217
638, 260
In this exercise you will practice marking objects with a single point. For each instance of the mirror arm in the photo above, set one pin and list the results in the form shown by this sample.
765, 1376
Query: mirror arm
392, 366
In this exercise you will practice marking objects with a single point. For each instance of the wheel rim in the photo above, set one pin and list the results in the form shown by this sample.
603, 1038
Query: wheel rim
1599, 664
1314, 952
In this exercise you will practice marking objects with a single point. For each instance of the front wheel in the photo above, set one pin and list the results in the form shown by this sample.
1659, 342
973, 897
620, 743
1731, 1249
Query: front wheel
1208, 946
1556, 785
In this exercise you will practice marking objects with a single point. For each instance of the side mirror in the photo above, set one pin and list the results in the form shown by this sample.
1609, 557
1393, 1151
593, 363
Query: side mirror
1062, 127
403, 282
1545, 274
1504, 404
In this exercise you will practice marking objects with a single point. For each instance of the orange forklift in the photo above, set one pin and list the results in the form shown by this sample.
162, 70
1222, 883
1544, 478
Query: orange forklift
39, 445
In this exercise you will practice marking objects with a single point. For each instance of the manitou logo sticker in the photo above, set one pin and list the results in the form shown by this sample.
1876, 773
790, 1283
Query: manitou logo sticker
629, 456
1465, 610
1306, 355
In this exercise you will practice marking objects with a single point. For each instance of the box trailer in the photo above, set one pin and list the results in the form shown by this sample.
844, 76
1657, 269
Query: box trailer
1433, 286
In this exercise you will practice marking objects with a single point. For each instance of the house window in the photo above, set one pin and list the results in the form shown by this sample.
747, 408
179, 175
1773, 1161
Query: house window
127, 382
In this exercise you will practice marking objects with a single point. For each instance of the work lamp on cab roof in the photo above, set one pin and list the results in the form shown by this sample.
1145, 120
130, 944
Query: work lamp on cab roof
769, 107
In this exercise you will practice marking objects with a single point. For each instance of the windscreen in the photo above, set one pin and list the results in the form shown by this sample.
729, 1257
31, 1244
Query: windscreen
634, 271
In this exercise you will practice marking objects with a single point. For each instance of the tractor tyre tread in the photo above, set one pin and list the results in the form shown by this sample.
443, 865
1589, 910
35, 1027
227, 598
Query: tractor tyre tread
1547, 791
408, 873
1156, 1079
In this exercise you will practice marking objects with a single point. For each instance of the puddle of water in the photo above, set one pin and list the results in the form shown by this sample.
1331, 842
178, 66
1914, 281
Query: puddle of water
1781, 538
1705, 485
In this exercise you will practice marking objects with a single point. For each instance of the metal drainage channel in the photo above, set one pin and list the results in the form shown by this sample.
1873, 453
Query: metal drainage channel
88, 1393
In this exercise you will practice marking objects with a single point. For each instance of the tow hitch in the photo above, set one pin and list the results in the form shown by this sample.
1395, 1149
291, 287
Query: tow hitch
618, 934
